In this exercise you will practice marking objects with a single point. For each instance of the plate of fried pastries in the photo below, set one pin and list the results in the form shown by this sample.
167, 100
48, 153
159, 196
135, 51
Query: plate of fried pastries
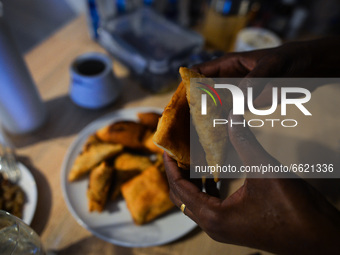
114, 183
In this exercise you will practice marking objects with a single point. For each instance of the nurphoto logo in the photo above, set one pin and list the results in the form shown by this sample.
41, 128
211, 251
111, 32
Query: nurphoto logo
238, 103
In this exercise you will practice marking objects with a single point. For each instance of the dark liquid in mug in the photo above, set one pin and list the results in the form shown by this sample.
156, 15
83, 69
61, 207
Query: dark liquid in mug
90, 67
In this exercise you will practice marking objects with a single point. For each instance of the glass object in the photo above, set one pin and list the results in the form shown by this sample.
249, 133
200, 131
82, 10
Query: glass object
17, 238
150, 45
223, 20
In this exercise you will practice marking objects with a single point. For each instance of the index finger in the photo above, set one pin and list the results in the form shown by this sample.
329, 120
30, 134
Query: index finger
226, 66
187, 192
246, 145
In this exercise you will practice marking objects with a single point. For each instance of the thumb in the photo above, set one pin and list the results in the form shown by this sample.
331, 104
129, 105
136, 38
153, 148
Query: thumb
245, 143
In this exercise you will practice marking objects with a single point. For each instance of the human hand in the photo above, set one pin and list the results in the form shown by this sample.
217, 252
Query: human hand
298, 59
285, 216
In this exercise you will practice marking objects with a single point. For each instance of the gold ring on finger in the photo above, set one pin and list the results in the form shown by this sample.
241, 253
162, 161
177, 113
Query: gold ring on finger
183, 206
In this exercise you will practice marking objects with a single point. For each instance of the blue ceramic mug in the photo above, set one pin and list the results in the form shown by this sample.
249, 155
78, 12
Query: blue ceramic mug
93, 84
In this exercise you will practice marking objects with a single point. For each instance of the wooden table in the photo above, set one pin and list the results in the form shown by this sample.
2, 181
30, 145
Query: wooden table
43, 151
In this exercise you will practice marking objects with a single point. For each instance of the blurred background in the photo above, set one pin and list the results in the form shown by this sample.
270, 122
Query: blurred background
154, 37
32, 21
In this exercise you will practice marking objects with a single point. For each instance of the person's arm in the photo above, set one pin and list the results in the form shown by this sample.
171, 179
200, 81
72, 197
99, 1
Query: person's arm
316, 58
284, 216
323, 59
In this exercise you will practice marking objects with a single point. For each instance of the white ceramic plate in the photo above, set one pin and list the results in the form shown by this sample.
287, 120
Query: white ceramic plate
115, 224
28, 185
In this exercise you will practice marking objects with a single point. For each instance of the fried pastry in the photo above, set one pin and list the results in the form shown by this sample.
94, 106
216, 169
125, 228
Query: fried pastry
127, 166
99, 185
150, 145
147, 196
159, 162
149, 119
127, 162
128, 133
186, 75
88, 159
120, 177
173, 132
92, 139
214, 141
